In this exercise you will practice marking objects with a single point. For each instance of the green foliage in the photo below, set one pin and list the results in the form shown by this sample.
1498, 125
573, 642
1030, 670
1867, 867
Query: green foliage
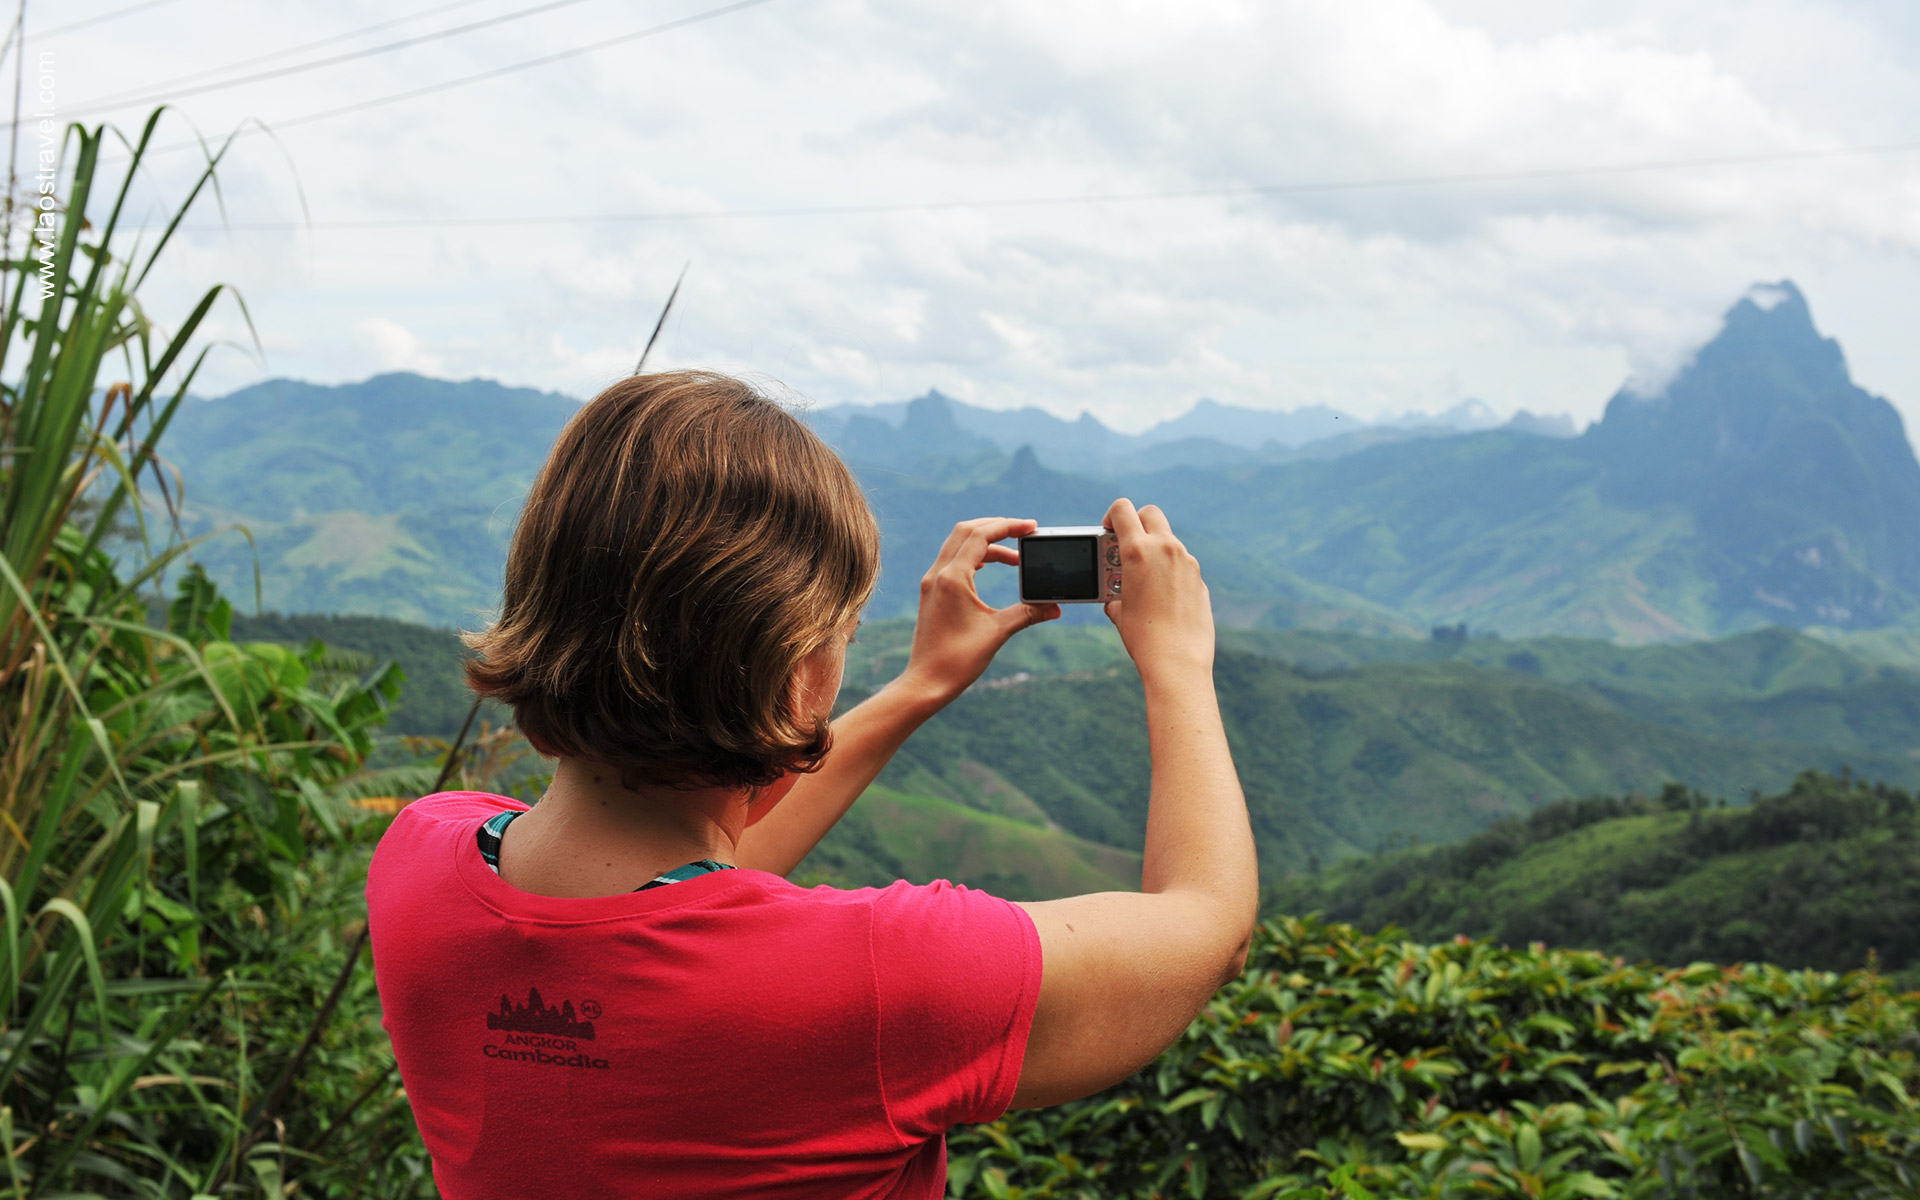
437, 698
153, 1040
1343, 1065
178, 863
1823, 874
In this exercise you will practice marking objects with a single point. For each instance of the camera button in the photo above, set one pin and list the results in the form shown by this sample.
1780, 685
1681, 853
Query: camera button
1114, 587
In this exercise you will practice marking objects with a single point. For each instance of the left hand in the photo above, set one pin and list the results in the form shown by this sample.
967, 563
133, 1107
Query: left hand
957, 633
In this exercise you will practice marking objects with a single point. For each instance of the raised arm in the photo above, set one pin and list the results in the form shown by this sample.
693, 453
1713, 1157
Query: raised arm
1123, 973
954, 638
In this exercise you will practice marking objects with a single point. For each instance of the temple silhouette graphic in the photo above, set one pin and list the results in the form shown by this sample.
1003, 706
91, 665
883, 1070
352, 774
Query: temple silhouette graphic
535, 1017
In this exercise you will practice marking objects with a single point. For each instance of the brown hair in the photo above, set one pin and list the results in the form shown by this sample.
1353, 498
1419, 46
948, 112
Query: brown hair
687, 543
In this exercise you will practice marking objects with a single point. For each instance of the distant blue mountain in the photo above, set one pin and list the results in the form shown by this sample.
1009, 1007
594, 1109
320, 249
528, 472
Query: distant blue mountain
1804, 483
1759, 486
1237, 426
936, 426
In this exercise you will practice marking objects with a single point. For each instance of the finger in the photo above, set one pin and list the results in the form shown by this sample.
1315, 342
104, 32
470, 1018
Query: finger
954, 541
976, 536
1123, 520
1155, 521
1003, 554
1113, 611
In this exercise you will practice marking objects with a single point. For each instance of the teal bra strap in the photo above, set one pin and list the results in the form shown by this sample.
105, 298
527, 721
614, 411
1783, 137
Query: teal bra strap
488, 836
699, 867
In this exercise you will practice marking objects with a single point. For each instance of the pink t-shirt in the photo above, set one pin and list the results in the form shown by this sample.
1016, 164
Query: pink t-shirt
730, 1035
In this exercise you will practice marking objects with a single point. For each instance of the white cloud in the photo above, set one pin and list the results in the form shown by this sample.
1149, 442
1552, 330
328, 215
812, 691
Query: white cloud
395, 348
1543, 293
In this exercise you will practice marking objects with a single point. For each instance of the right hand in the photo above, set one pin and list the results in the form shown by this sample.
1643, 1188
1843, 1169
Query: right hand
1166, 617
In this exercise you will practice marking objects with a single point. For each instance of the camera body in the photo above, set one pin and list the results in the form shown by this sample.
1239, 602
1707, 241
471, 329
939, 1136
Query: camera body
1070, 564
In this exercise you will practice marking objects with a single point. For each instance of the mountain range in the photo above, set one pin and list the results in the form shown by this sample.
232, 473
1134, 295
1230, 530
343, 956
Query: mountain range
1759, 486
937, 434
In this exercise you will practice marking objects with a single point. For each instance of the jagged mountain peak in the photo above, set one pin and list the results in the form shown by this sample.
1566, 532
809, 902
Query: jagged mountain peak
1024, 470
930, 414
1766, 366
1804, 481
1772, 322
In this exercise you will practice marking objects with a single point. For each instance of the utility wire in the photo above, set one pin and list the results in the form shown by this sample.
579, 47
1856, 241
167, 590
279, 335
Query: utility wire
285, 52
493, 73
335, 60
1229, 192
102, 19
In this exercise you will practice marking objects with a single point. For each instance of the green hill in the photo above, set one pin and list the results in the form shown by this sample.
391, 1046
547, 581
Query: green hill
1822, 874
1348, 743
1334, 765
1760, 662
1345, 744
394, 496
890, 835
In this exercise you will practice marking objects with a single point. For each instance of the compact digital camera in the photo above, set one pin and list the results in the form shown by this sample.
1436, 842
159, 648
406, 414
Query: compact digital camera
1070, 564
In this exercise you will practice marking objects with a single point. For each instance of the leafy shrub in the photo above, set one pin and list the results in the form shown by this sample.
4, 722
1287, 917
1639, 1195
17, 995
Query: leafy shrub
1341, 1064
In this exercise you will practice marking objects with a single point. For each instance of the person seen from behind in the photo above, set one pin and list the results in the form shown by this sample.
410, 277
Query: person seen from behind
616, 992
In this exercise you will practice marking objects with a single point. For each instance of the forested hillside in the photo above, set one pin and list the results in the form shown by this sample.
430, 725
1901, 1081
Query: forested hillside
1035, 782
1333, 765
1824, 874
393, 497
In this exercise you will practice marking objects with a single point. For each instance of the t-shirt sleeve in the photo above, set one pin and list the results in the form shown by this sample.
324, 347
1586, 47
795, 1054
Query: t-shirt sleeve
957, 973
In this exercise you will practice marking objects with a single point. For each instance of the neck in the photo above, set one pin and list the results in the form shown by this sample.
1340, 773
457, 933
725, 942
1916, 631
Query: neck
591, 836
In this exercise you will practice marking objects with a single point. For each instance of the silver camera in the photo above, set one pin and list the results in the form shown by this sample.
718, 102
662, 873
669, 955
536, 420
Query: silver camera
1070, 564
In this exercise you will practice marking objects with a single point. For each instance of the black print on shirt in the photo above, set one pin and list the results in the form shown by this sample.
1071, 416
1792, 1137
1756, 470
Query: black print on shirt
542, 1035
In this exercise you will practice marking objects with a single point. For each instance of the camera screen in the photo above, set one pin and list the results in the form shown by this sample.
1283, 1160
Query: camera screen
1059, 569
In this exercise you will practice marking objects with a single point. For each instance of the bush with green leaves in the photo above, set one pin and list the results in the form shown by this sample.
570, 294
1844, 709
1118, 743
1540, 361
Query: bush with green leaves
1342, 1064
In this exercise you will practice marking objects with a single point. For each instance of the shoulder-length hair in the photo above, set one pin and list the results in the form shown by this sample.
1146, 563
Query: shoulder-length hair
688, 542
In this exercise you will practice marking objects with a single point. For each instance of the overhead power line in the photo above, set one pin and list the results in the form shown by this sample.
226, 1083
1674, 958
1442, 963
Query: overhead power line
102, 19
492, 73
157, 97
1236, 191
288, 51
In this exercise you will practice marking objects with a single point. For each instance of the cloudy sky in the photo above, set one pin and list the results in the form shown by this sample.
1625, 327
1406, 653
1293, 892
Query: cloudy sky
1381, 205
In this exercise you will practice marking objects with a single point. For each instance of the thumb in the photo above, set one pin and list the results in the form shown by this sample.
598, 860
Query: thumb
1016, 617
